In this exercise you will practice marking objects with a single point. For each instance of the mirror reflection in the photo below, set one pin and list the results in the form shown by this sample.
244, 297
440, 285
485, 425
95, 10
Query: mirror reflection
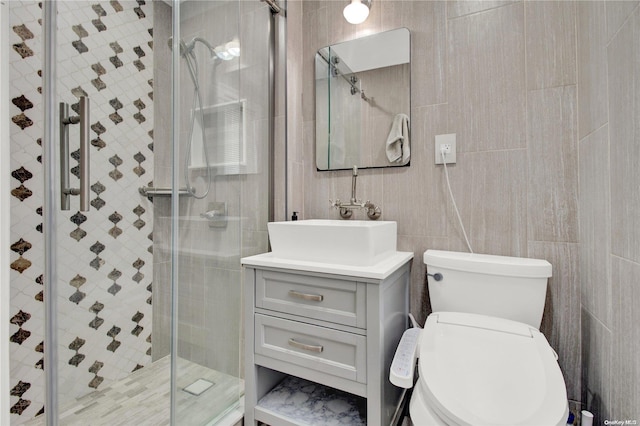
363, 102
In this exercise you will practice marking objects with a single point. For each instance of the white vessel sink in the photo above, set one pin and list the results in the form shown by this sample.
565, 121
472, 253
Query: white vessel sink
343, 242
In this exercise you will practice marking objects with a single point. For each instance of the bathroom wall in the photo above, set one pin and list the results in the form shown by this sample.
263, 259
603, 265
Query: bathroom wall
502, 76
609, 233
104, 255
209, 285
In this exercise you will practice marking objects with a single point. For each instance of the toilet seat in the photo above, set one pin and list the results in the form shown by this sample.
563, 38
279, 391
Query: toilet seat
481, 370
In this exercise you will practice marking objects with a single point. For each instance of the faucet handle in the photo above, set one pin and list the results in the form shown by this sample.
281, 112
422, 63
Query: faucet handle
373, 212
334, 204
211, 214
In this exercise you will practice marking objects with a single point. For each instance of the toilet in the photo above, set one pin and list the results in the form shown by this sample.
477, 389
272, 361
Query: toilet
482, 360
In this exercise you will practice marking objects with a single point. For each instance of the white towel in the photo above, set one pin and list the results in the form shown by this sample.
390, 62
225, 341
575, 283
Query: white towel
398, 145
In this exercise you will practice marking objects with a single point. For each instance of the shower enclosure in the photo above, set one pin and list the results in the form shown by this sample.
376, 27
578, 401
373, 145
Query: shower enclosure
142, 154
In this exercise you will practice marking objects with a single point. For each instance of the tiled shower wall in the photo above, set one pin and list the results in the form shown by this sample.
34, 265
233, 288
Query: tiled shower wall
104, 255
502, 76
209, 290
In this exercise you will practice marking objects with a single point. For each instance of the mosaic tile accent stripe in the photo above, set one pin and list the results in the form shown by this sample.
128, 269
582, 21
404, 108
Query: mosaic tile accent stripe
105, 266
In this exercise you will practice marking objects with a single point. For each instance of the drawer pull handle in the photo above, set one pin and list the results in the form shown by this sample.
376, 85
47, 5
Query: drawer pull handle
310, 348
305, 296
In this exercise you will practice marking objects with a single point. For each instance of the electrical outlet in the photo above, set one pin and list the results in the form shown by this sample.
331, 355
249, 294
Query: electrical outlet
448, 142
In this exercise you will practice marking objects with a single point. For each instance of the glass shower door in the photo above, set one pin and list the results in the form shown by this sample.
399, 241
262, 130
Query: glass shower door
156, 164
101, 232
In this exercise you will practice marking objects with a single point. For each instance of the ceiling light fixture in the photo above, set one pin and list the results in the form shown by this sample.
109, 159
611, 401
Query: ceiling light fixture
357, 11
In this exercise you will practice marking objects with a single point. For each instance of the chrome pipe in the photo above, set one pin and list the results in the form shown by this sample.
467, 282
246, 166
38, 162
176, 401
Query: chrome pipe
354, 177
273, 6
271, 111
152, 191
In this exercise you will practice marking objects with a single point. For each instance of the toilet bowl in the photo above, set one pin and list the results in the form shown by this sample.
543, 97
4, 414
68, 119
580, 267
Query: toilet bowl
482, 370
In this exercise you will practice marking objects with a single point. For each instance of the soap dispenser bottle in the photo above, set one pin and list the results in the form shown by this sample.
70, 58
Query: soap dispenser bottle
294, 216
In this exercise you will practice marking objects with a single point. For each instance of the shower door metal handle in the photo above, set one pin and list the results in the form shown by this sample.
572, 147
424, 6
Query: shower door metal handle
65, 120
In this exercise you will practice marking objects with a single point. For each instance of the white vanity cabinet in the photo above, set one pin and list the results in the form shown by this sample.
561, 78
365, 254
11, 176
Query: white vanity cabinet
332, 325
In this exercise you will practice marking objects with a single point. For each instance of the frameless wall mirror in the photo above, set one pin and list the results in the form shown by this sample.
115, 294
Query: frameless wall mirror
363, 102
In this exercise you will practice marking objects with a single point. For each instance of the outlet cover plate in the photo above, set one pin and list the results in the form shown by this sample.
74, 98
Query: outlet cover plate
449, 139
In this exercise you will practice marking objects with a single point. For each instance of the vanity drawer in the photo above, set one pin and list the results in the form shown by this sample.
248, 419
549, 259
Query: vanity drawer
326, 299
322, 349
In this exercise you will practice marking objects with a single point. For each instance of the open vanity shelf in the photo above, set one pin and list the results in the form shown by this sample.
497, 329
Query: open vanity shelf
329, 332
299, 401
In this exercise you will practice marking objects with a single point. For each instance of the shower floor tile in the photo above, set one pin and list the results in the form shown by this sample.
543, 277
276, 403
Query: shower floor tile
143, 398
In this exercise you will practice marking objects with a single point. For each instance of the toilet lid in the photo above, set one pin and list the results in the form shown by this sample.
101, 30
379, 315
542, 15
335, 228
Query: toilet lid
481, 370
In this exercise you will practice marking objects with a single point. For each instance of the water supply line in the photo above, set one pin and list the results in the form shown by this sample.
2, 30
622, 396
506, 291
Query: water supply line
453, 200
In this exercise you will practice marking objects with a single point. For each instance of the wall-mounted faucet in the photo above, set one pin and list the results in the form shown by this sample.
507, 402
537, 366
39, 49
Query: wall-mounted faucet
346, 209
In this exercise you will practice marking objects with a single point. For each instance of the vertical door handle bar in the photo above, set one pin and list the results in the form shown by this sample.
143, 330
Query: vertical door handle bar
84, 154
64, 156
65, 120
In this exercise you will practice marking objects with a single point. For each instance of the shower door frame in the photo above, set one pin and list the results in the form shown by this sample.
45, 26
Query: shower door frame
175, 199
49, 87
5, 217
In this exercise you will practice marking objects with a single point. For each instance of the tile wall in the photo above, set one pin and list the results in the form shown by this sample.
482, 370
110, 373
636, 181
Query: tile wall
609, 231
544, 99
104, 255
502, 76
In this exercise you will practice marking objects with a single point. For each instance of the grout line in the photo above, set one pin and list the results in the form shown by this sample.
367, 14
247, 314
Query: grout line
606, 29
580, 139
626, 259
483, 11
592, 315
559, 86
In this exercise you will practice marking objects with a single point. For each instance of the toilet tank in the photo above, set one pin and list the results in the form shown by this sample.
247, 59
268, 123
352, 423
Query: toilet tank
506, 287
